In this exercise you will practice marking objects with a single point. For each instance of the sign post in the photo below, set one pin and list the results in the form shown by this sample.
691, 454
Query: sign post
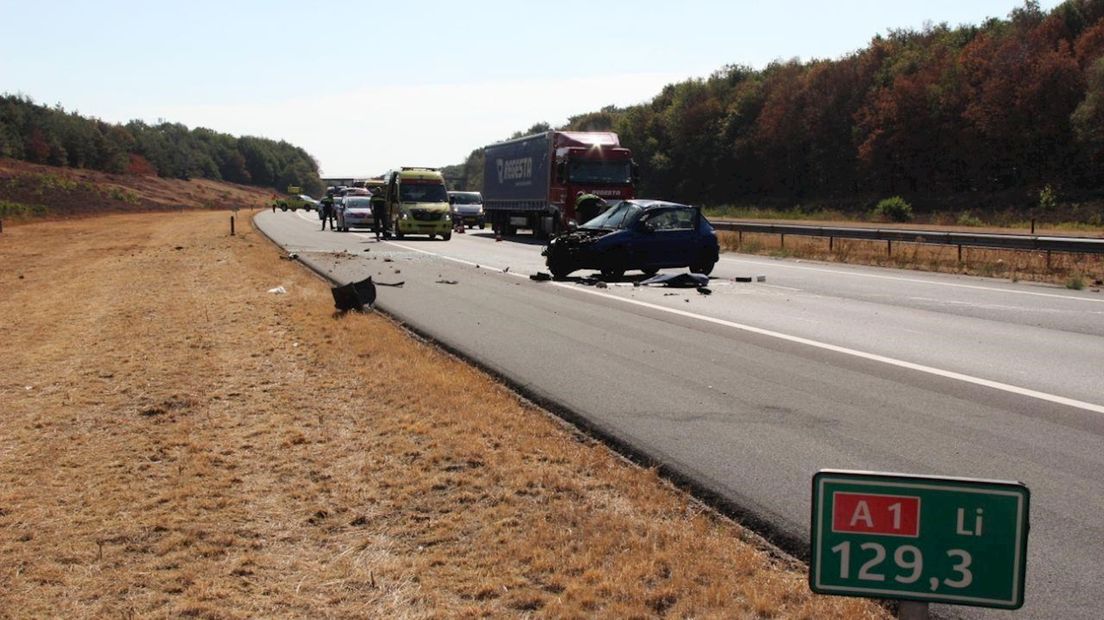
921, 539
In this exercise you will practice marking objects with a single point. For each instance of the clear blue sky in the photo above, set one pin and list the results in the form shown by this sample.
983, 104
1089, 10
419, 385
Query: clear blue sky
365, 86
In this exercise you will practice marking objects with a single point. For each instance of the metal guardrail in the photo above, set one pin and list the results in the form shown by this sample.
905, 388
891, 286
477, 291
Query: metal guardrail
1077, 245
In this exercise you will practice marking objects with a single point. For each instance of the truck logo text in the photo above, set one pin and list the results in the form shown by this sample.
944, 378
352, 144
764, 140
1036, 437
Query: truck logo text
515, 169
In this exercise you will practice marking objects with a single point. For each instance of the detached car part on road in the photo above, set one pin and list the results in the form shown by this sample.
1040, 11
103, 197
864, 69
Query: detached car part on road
648, 235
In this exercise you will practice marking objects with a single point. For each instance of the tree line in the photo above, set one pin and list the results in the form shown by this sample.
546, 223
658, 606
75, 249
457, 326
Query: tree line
1011, 104
51, 135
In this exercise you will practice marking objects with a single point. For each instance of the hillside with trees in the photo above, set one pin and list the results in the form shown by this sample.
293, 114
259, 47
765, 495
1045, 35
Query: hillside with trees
983, 115
51, 135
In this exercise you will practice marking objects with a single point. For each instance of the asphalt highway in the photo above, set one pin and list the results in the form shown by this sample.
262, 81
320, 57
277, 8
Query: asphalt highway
751, 390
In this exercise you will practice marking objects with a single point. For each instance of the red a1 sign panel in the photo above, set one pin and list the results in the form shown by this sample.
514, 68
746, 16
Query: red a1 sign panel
892, 515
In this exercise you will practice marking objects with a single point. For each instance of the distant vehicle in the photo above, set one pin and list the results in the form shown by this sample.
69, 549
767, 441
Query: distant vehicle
467, 207
648, 235
417, 203
355, 212
532, 181
295, 200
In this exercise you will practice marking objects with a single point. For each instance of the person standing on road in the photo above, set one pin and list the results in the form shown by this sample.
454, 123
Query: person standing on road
327, 210
587, 206
379, 215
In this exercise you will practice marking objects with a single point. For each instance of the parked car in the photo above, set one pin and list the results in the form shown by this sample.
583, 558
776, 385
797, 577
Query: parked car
296, 202
467, 207
339, 202
355, 212
648, 235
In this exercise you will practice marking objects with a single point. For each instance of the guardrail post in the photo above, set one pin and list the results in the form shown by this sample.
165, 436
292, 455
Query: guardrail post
231, 225
889, 248
960, 252
1033, 226
831, 244
783, 236
740, 238
1, 226
1048, 260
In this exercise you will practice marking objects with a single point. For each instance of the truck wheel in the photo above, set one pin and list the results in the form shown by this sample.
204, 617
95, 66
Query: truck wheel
446, 236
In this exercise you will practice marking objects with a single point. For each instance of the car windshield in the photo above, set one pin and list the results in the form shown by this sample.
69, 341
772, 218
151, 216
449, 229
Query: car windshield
358, 202
621, 215
582, 171
467, 198
423, 192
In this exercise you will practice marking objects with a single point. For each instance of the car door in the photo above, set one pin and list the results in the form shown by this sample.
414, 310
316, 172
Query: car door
664, 237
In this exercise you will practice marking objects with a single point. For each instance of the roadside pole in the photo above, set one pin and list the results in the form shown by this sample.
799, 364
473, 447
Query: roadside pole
913, 610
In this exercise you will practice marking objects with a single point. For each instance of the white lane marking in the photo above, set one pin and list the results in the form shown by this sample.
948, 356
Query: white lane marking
859, 274
939, 372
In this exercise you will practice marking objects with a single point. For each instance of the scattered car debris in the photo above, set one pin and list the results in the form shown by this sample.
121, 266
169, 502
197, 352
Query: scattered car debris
354, 295
677, 280
742, 279
279, 290
760, 278
506, 269
395, 284
540, 276
448, 282
388, 260
704, 290
601, 284
178, 248
291, 256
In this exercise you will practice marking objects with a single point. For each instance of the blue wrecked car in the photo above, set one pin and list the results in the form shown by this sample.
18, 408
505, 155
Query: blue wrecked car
648, 235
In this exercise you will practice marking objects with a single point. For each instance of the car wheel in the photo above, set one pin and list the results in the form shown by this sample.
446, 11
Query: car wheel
616, 264
650, 271
559, 270
703, 268
398, 233
482, 225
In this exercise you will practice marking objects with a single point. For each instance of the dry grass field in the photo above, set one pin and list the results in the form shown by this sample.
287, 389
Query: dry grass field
175, 441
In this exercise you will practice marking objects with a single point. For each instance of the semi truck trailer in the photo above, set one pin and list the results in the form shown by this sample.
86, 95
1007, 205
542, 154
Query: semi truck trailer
531, 182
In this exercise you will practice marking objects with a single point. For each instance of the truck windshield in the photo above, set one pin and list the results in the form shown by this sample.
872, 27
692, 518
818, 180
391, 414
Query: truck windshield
583, 171
621, 215
422, 192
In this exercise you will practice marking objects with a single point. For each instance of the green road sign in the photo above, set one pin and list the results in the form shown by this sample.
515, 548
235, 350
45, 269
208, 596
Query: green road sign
938, 540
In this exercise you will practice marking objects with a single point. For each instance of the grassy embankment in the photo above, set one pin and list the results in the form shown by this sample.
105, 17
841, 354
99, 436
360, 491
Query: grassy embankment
31, 192
176, 441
